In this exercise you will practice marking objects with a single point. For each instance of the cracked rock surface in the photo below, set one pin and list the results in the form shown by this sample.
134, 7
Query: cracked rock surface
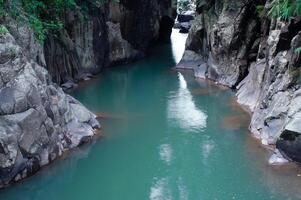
38, 121
231, 44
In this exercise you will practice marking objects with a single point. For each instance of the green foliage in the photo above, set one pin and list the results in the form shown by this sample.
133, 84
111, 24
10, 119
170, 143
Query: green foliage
186, 5
2, 11
298, 50
261, 10
285, 9
183, 5
200, 3
45, 16
3, 30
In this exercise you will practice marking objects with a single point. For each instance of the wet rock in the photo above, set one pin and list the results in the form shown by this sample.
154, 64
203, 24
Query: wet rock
120, 49
85, 76
82, 114
184, 27
234, 46
190, 60
249, 89
185, 17
223, 40
277, 159
112, 33
38, 121
289, 144
68, 85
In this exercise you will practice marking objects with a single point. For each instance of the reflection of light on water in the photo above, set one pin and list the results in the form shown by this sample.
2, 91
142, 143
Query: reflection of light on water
182, 108
182, 189
160, 191
183, 84
166, 153
206, 148
178, 41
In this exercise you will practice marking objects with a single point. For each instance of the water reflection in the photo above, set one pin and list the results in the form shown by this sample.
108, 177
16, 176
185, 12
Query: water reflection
160, 190
206, 148
51, 176
283, 179
166, 153
182, 189
183, 110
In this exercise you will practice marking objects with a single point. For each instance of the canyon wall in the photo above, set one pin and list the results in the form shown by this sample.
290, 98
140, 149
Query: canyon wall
235, 44
111, 33
38, 120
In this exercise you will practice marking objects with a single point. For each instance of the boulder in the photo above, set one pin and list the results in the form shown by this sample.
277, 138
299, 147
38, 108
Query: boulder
38, 121
184, 27
185, 17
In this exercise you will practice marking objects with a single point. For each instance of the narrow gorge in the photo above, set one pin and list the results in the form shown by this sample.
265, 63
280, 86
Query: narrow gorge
38, 120
176, 90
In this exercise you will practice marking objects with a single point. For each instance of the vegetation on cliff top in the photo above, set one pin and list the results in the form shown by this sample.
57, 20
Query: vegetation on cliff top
45, 16
285, 9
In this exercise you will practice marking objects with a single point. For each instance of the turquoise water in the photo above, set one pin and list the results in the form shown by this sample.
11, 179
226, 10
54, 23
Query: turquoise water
167, 136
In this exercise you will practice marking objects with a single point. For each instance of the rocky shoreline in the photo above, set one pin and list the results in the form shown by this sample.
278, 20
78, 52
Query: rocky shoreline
38, 120
231, 44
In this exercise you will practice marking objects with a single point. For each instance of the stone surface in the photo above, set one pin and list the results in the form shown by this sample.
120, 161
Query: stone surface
185, 18
120, 49
277, 159
223, 34
234, 46
112, 33
38, 121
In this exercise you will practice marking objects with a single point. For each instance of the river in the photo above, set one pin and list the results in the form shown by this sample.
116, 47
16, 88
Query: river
167, 136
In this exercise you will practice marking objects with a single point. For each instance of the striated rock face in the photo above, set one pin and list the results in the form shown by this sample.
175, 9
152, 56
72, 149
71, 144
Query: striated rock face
231, 44
38, 121
120, 50
112, 33
223, 34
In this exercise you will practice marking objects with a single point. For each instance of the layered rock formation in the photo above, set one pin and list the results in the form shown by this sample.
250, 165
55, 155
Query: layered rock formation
233, 44
38, 121
110, 33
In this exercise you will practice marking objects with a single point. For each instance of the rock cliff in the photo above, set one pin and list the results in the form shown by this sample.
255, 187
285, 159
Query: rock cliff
38, 120
233, 44
111, 33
